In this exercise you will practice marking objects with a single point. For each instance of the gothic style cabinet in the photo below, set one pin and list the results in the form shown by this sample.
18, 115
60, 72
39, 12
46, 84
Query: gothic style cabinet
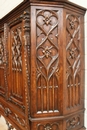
42, 66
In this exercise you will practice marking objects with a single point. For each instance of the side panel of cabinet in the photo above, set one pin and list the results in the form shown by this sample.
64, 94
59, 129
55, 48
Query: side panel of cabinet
74, 62
46, 61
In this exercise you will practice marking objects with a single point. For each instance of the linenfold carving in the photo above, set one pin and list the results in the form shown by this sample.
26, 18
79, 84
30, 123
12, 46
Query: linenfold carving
53, 126
47, 60
73, 60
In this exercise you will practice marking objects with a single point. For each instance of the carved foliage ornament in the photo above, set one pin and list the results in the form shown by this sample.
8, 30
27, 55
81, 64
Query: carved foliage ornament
47, 56
53, 126
16, 50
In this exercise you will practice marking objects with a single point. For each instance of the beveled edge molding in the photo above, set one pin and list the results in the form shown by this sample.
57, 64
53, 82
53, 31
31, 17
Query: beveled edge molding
56, 117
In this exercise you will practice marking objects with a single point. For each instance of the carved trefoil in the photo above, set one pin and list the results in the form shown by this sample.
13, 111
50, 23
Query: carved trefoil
73, 59
47, 53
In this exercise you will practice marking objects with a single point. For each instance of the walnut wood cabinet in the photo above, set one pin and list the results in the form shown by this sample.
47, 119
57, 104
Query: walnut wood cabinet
42, 66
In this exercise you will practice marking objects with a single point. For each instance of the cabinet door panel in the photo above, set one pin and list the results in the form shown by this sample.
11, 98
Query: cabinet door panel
16, 65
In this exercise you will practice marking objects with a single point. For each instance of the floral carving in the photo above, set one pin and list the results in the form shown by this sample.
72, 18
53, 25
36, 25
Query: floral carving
47, 51
72, 24
72, 53
47, 20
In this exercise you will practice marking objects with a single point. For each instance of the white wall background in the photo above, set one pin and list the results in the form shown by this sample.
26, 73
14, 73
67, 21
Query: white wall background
7, 5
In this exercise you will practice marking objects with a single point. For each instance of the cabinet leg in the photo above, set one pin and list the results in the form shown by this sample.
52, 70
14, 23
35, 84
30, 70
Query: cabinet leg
10, 127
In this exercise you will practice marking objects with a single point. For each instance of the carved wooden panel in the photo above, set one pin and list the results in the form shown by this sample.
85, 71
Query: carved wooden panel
47, 54
48, 126
12, 115
16, 69
73, 58
2, 82
74, 122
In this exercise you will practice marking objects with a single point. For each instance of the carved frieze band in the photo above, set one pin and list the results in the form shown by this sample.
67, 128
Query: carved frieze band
47, 60
73, 60
48, 126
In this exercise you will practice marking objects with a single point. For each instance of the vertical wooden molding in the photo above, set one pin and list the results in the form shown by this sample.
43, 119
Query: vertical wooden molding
26, 30
5, 57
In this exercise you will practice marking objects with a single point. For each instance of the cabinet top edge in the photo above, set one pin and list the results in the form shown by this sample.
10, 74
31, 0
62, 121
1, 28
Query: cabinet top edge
58, 2
17, 11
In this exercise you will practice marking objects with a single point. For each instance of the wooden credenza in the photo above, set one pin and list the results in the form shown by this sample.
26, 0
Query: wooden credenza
42, 66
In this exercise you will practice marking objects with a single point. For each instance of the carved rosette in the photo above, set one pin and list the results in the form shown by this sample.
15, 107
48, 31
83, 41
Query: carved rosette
53, 126
73, 60
16, 50
47, 60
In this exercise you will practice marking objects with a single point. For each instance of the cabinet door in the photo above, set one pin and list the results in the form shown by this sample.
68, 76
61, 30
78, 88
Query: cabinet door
46, 62
16, 82
2, 80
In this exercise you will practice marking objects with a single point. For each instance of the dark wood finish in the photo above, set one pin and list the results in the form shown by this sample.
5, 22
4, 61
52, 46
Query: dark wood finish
42, 66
